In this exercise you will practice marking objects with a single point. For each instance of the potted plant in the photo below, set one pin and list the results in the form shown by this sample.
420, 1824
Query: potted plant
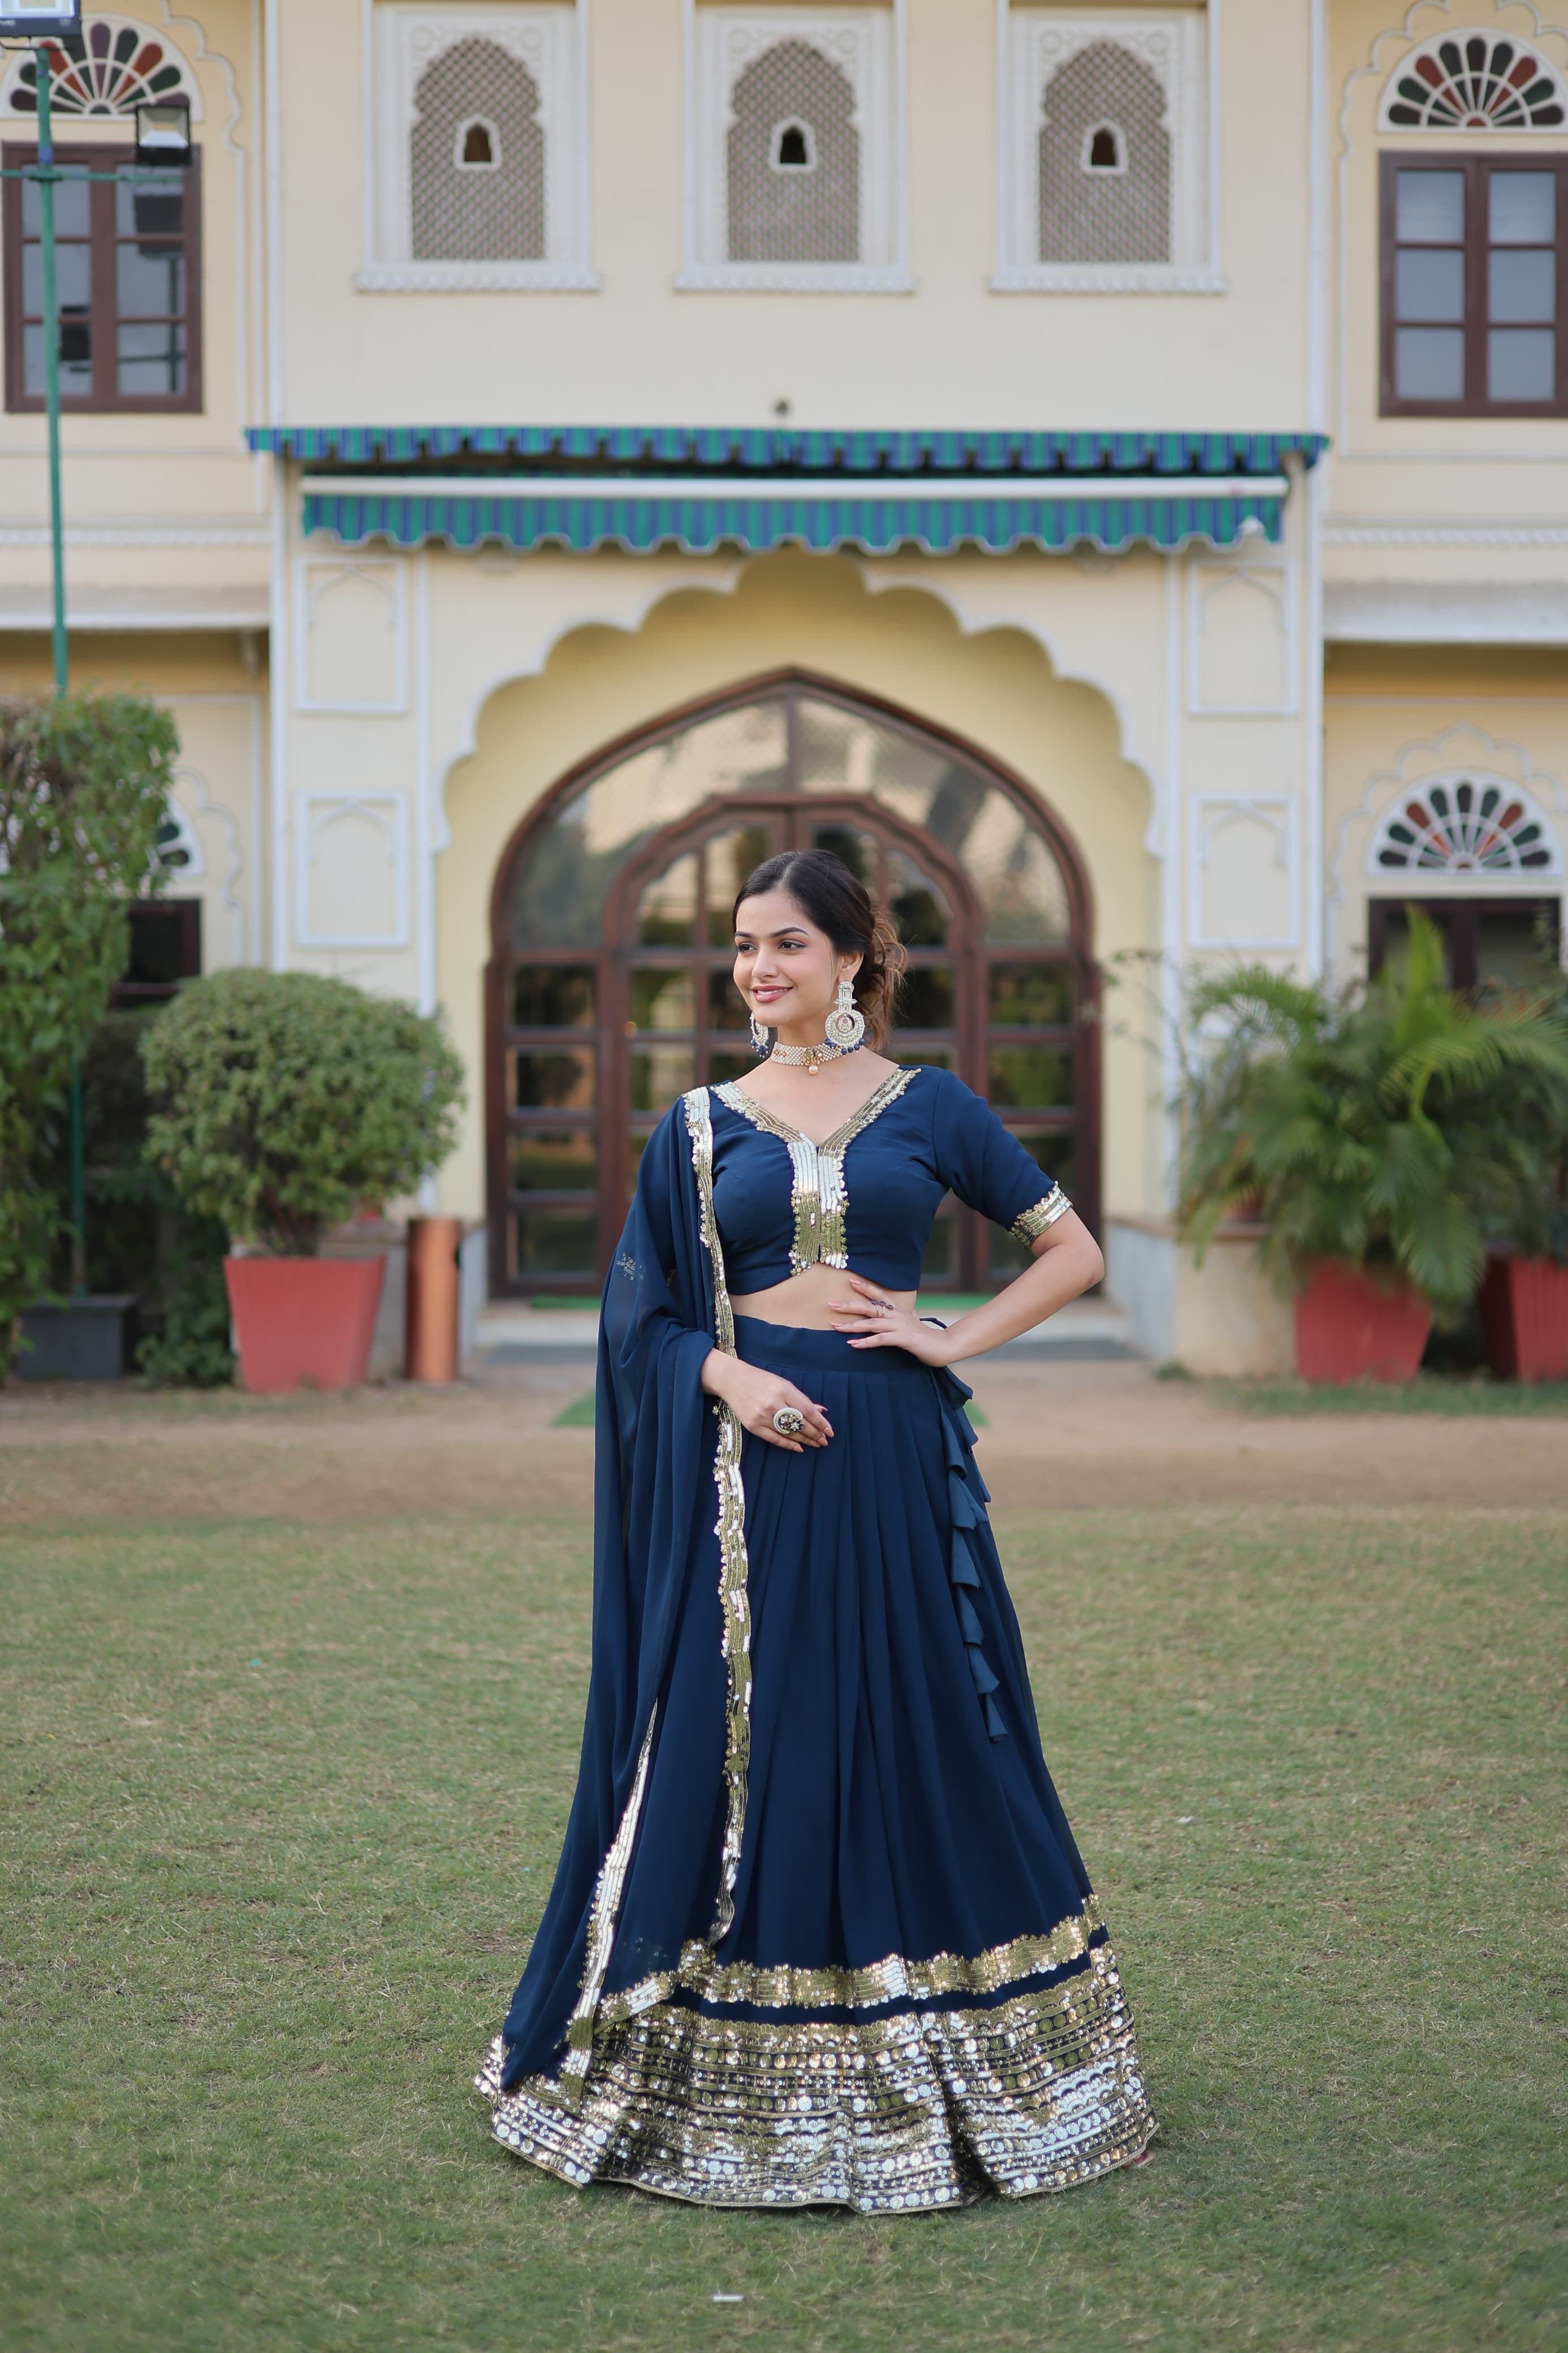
84, 786
1375, 1130
1523, 1298
281, 1102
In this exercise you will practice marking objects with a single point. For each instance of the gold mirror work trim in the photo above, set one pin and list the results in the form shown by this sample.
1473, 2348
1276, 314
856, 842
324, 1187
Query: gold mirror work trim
893, 1980
885, 2115
730, 1528
818, 1197
607, 1892
1044, 1213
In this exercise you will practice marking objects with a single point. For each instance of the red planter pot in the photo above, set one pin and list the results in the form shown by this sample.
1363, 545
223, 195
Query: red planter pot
1349, 1328
304, 1322
1523, 1304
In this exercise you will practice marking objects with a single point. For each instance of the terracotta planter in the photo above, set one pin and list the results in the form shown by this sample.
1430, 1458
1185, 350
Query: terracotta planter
303, 1322
1349, 1328
1523, 1304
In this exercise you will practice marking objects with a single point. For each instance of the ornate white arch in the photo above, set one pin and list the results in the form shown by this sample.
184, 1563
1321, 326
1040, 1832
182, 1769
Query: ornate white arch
1432, 758
657, 581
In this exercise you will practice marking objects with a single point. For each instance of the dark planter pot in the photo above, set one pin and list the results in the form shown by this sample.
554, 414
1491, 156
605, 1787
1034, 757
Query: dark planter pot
80, 1339
1523, 1304
303, 1323
1350, 1328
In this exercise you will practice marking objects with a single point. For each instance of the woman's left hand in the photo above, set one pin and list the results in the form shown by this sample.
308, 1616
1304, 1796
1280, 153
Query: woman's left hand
872, 1320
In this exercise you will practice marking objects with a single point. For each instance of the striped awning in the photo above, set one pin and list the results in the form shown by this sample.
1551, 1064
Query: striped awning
666, 449
699, 514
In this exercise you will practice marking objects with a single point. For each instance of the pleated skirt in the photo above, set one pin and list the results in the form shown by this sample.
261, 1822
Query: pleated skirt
917, 2004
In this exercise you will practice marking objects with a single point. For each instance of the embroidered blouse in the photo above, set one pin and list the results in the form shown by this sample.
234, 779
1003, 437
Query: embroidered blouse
784, 1203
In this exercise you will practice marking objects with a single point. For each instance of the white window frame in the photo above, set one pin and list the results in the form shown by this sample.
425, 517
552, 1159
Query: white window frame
550, 38
1182, 45
872, 47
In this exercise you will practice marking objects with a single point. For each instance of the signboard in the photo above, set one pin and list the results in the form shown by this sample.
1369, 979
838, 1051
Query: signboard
39, 20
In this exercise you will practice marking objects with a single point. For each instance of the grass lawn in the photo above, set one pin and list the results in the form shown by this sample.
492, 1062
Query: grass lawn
281, 1804
1447, 1393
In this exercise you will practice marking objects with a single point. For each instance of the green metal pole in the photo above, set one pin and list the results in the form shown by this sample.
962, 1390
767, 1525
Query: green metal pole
58, 544
52, 361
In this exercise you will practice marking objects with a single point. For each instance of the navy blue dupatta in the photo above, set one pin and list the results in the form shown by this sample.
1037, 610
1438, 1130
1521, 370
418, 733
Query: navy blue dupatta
666, 1479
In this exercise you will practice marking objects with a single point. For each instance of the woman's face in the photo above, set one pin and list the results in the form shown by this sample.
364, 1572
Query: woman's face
787, 971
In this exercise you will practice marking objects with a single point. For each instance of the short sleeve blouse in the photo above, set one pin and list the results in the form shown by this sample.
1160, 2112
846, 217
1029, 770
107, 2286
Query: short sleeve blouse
866, 1198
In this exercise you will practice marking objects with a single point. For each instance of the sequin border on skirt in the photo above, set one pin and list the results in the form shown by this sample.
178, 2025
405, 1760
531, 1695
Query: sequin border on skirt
930, 2108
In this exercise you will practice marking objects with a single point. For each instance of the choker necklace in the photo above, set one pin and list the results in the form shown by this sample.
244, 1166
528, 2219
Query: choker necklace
812, 1058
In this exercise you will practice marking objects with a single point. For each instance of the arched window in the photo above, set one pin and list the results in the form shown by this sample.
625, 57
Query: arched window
610, 989
478, 146
1474, 81
793, 160
1458, 828
114, 66
467, 205
1105, 149
1104, 161
794, 150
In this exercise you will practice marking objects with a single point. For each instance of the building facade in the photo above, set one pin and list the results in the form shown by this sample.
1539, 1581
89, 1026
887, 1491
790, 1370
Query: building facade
1102, 468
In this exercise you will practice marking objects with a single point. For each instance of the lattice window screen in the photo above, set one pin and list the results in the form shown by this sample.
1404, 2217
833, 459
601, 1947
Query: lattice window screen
793, 213
494, 212
480, 157
1118, 217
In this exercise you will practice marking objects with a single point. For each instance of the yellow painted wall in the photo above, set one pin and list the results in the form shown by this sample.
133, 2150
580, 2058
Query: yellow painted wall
1395, 715
997, 689
215, 687
950, 352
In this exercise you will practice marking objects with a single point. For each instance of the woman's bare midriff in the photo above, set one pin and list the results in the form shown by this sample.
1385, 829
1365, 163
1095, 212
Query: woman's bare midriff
803, 1300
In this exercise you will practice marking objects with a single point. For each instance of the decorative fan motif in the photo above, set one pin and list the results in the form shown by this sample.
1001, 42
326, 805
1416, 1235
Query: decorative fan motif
113, 68
1476, 81
1465, 827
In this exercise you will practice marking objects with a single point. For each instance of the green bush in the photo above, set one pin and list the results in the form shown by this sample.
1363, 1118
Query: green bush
1390, 1126
281, 1102
84, 786
139, 1239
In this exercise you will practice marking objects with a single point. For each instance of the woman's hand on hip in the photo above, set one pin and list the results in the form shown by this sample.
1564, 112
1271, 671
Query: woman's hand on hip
872, 1320
754, 1395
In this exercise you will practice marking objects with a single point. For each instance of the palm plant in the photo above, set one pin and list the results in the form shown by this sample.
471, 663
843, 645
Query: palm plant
1388, 1126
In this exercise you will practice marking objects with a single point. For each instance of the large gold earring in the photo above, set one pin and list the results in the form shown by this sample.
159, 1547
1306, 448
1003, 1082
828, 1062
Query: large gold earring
762, 1044
846, 1023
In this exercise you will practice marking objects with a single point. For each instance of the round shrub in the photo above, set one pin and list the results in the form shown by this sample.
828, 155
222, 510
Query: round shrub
283, 1101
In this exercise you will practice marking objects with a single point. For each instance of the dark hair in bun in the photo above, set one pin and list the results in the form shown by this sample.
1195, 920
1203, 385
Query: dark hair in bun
838, 904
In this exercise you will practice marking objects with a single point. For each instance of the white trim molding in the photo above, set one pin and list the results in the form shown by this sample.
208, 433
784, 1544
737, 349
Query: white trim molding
315, 577
388, 813
867, 45
1180, 46
1279, 814
1206, 581
399, 40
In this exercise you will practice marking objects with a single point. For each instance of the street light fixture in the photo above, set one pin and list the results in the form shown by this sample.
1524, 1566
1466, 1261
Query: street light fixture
33, 20
163, 135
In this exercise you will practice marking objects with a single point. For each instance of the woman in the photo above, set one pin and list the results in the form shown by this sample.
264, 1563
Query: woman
820, 1934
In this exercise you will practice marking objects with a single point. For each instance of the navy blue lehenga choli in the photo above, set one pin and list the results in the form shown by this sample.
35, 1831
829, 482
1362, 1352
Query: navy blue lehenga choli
820, 1934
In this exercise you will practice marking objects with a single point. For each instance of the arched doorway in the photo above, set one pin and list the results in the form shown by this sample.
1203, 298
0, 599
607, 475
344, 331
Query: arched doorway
609, 988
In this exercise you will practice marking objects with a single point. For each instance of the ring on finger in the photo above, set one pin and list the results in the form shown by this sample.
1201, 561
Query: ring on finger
789, 1421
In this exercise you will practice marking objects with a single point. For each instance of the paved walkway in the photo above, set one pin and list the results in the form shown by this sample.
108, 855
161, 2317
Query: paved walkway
1060, 1437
